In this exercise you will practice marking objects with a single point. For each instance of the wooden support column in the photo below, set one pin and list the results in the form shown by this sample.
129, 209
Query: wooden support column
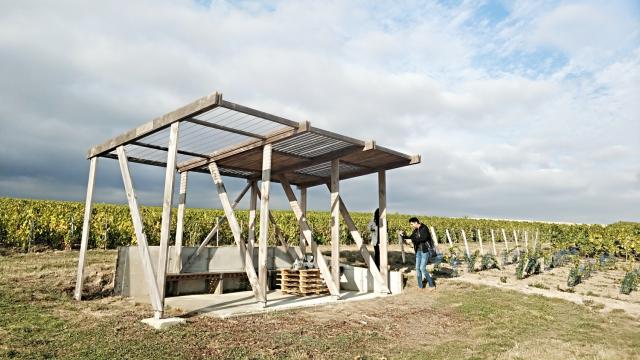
211, 233
306, 230
165, 226
247, 259
253, 203
88, 207
264, 219
182, 201
143, 247
303, 207
335, 221
382, 229
493, 243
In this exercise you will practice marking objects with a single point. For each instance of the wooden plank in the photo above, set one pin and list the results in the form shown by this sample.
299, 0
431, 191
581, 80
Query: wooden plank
493, 243
466, 245
258, 113
143, 247
247, 258
213, 231
306, 230
165, 225
480, 241
182, 202
382, 229
357, 237
264, 219
194, 108
335, 220
303, 206
225, 128
88, 207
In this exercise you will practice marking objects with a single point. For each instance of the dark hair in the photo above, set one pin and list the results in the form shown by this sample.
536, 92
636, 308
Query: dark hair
376, 217
414, 220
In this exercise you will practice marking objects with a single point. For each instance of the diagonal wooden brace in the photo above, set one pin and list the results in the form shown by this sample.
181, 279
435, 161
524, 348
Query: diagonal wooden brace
334, 288
247, 258
291, 251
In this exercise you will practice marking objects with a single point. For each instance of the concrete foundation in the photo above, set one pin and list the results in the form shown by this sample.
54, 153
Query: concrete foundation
161, 324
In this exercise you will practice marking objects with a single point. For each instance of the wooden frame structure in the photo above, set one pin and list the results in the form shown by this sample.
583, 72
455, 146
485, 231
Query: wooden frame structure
221, 138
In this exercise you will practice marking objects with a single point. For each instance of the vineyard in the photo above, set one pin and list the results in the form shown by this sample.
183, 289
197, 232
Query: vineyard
58, 225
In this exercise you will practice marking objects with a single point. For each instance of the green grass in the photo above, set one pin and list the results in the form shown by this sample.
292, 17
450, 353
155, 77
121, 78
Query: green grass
38, 319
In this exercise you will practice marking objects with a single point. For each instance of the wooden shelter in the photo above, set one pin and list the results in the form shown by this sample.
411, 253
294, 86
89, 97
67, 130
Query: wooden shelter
218, 137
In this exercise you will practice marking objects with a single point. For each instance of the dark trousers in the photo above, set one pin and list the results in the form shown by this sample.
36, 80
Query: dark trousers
376, 255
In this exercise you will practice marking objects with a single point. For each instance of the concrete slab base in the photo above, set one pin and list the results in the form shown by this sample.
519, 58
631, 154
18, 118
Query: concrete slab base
161, 324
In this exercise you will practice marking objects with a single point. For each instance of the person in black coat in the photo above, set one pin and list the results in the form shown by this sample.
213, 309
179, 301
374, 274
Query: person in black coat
424, 248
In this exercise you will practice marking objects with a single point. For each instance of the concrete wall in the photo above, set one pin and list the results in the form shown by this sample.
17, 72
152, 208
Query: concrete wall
130, 282
359, 279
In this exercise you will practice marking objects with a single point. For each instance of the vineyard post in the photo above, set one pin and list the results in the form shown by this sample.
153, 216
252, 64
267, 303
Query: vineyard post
318, 257
515, 239
493, 243
401, 241
217, 231
264, 220
335, 220
143, 248
506, 242
88, 206
303, 208
449, 238
182, 202
382, 206
526, 242
466, 245
535, 241
434, 235
480, 241
247, 259
167, 203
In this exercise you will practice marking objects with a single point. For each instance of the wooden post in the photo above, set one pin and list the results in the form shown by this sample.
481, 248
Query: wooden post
335, 221
480, 240
303, 206
182, 201
382, 229
143, 247
306, 230
401, 241
264, 219
515, 238
466, 246
247, 258
493, 243
357, 237
165, 226
434, 236
253, 203
88, 207
535, 241
449, 238
214, 231
506, 242
526, 241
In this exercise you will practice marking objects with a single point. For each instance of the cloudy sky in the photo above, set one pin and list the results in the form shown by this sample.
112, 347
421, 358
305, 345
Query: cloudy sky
523, 110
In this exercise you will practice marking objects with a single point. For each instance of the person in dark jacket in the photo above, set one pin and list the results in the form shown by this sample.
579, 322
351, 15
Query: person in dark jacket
424, 248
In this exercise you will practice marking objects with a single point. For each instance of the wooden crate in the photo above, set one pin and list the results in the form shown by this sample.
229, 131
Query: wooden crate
304, 282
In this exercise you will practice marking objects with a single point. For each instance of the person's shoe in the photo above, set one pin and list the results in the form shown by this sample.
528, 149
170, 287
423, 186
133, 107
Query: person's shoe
431, 288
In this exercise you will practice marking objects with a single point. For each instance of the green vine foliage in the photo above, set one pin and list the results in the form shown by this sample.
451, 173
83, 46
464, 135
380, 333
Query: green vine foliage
25, 223
630, 282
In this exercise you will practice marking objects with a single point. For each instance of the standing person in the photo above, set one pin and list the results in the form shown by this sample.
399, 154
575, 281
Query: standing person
373, 226
424, 248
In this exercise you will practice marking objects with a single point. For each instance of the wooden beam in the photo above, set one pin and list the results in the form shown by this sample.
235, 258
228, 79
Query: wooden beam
382, 229
306, 230
318, 160
357, 237
335, 220
192, 109
237, 236
167, 203
264, 219
164, 148
143, 247
364, 171
88, 207
280, 236
211, 233
244, 146
182, 201
303, 206
258, 113
225, 128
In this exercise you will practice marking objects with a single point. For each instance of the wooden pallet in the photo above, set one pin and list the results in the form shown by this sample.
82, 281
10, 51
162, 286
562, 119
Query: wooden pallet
306, 282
